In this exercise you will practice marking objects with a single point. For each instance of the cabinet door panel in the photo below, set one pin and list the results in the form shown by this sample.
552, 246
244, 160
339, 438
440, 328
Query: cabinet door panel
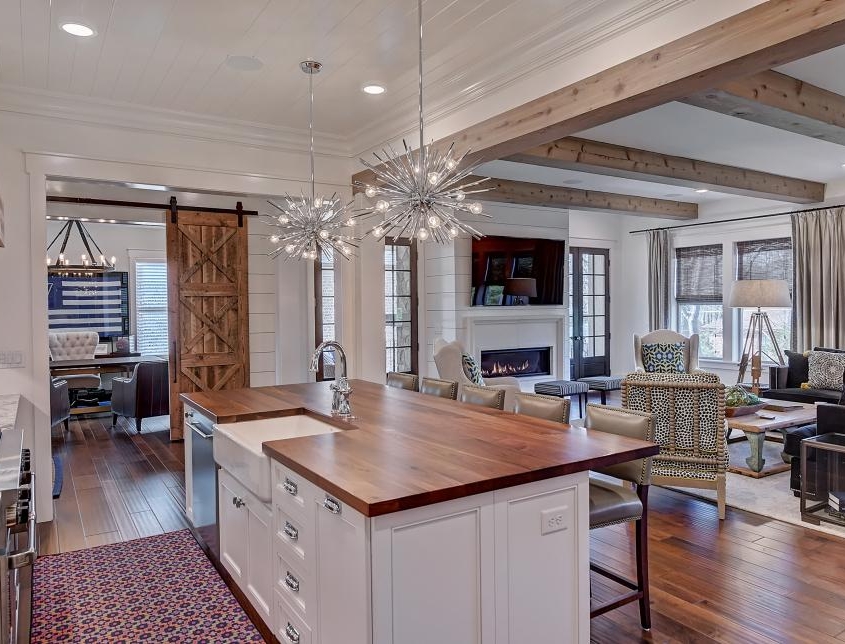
259, 556
233, 528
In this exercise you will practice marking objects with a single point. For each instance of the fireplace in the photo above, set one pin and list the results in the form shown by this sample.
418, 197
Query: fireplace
516, 362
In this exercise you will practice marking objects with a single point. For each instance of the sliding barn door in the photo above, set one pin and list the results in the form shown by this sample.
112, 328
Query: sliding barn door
207, 305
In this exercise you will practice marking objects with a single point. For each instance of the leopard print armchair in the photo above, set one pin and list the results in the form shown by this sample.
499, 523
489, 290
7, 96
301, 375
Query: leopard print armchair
690, 411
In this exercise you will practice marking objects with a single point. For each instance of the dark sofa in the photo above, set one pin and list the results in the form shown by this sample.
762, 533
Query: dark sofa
785, 382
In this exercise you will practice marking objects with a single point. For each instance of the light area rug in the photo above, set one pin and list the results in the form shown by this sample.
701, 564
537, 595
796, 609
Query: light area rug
769, 496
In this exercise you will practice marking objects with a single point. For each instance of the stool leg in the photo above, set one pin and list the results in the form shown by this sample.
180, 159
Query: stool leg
580, 405
642, 559
603, 397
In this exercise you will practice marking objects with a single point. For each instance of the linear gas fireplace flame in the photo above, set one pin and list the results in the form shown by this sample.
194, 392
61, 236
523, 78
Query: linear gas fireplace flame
516, 362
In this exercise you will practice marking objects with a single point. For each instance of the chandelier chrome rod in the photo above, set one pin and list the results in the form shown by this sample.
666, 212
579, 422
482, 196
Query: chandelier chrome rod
422, 146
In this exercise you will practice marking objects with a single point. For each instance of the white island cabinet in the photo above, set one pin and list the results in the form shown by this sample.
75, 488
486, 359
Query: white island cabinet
508, 566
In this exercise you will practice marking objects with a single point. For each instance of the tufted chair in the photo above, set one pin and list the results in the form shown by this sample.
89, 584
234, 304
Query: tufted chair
145, 395
690, 413
75, 345
448, 358
546, 407
668, 337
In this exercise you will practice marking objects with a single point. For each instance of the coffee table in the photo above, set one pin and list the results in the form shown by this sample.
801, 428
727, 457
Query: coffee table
754, 427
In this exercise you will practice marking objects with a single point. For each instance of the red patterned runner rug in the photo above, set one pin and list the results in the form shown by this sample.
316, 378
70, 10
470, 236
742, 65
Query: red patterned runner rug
156, 589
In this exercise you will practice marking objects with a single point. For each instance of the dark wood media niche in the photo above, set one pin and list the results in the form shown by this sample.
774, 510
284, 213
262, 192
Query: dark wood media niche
516, 362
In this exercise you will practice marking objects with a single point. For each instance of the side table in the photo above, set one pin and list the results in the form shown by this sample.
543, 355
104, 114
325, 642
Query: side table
822, 472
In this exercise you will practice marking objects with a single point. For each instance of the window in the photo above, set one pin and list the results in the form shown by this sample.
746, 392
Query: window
400, 306
767, 259
324, 287
151, 306
698, 293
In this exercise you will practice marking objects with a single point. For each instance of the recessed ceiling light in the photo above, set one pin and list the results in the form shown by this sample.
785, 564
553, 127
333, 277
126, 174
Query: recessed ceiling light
373, 89
843, 165
78, 29
702, 190
146, 186
244, 63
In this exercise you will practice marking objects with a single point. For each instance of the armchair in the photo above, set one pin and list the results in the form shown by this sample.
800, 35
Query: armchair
690, 413
447, 357
59, 403
75, 345
144, 395
670, 337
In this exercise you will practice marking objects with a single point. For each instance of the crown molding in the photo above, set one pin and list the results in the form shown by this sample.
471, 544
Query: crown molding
128, 116
538, 57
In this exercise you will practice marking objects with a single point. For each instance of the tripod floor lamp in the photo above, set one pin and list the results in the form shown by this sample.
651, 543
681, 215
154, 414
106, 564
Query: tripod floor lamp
759, 294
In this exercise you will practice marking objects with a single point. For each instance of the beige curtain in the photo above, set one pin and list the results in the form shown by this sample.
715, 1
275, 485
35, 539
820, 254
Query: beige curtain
818, 241
659, 279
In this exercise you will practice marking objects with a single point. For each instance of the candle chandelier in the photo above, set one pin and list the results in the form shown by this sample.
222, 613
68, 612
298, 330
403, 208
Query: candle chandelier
419, 194
307, 227
90, 263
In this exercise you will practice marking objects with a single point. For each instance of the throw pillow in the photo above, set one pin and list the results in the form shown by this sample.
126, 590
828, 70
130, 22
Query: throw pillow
472, 369
799, 368
664, 357
826, 370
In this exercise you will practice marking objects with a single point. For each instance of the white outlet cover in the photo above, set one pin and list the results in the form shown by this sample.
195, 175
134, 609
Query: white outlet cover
554, 519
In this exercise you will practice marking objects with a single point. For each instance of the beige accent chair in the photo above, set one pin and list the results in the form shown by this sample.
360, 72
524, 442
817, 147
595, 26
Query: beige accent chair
75, 345
611, 503
483, 396
407, 381
441, 388
448, 358
545, 407
690, 411
667, 336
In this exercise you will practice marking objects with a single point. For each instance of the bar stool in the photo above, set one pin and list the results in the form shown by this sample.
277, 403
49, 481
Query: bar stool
442, 388
545, 407
611, 503
483, 396
408, 381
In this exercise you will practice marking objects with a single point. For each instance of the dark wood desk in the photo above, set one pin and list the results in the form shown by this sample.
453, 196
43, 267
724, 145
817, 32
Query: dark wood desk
112, 364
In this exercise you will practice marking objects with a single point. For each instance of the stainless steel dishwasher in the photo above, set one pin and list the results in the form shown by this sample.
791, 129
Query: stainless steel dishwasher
204, 480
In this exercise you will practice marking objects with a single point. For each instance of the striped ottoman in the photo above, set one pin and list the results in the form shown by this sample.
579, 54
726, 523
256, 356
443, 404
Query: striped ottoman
563, 388
603, 384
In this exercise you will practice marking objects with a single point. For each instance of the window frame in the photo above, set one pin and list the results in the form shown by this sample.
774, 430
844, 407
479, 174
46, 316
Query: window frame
414, 277
704, 301
318, 311
158, 257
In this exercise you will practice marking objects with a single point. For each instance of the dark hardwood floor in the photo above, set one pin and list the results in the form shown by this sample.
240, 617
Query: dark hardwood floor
745, 579
118, 485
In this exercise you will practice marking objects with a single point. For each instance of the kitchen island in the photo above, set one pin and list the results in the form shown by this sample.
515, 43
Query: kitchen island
421, 520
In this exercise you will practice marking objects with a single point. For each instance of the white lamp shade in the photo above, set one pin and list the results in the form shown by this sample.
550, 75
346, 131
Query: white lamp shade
763, 293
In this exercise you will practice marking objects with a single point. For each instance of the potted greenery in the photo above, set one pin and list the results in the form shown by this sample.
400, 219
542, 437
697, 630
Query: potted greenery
739, 402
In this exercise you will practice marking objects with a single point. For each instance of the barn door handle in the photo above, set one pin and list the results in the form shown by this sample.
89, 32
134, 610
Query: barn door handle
175, 376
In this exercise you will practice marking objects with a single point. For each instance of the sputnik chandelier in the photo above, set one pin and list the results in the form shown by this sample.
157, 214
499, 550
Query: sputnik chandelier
419, 194
307, 227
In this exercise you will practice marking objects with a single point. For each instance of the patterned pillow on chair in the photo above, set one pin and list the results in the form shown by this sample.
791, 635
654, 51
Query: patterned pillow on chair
662, 357
472, 369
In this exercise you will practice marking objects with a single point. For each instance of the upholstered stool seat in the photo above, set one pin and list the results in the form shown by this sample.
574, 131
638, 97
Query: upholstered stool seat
612, 503
440, 388
562, 388
540, 406
483, 396
408, 381
603, 384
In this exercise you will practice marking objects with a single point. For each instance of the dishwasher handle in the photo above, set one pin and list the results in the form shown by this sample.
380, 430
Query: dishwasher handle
199, 432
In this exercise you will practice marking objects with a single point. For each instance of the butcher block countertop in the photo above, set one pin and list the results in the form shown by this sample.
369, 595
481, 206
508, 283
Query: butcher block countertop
405, 449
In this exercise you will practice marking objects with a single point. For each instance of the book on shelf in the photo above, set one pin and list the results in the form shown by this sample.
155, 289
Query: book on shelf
836, 500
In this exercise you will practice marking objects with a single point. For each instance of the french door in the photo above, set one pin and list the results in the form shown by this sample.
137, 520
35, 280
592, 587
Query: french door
589, 312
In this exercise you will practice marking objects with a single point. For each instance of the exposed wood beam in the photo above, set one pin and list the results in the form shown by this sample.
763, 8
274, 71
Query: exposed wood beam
765, 36
780, 101
535, 194
571, 153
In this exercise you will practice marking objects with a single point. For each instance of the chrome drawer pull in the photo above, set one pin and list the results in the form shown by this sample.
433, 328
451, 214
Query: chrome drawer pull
291, 487
291, 582
291, 633
291, 531
331, 505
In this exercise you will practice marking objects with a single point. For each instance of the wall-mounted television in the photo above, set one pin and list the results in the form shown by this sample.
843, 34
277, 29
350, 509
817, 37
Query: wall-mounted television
89, 303
496, 259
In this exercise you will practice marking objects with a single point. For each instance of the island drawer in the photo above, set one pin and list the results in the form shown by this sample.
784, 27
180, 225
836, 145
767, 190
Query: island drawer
290, 628
297, 586
293, 492
294, 537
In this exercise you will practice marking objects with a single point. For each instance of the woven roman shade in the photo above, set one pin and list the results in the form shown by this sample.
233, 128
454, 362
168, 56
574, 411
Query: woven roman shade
765, 259
698, 274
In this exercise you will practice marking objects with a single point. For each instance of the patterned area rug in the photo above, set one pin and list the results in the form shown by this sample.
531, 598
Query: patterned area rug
155, 589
